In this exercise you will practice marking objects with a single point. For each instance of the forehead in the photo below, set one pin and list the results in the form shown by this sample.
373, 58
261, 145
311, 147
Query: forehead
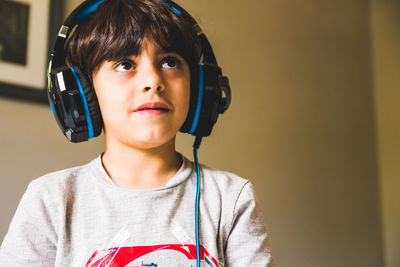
147, 45
150, 46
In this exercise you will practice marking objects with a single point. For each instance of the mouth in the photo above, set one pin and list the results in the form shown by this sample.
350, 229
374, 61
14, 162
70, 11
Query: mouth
154, 108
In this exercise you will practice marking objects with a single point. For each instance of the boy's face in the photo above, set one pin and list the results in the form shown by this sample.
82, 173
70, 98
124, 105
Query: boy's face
144, 99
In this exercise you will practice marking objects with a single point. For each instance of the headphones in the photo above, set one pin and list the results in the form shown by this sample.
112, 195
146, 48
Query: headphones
74, 103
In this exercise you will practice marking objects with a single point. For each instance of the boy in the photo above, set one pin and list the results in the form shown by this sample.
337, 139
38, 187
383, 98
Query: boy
134, 204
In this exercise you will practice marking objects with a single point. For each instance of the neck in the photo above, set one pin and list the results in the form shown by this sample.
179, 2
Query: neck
135, 168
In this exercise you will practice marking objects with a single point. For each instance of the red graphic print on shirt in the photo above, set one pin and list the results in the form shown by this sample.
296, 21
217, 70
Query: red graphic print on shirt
155, 256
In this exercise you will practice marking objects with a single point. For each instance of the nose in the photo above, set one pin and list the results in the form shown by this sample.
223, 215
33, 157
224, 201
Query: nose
152, 79
159, 89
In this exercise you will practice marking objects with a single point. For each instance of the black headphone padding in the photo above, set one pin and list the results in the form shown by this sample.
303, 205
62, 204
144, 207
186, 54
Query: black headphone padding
91, 100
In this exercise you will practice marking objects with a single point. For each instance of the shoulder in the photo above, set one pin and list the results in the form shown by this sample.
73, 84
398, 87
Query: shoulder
224, 179
59, 181
226, 186
215, 181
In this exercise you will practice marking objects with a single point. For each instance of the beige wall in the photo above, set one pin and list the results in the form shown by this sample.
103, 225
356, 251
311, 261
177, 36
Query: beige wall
301, 126
385, 26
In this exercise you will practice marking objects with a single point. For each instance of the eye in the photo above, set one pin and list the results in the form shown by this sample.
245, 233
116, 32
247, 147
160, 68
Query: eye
124, 65
170, 62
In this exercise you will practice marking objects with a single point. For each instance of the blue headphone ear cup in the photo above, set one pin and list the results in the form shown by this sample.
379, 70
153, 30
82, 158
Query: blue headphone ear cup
91, 100
207, 100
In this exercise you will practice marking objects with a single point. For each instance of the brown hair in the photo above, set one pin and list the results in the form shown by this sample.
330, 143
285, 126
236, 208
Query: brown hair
118, 27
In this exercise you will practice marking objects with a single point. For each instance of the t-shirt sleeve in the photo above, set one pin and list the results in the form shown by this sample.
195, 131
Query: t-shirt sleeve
31, 237
247, 243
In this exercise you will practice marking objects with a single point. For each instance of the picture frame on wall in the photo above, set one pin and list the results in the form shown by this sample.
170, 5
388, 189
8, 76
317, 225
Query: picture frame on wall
28, 29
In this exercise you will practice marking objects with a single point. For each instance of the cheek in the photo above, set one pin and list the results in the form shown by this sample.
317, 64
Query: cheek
109, 90
107, 100
185, 98
98, 88
100, 93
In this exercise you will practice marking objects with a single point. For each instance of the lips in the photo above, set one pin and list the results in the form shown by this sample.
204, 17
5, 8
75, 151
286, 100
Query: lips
153, 108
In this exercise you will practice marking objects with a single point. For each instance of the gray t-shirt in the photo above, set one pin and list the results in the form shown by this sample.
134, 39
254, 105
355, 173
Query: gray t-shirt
80, 217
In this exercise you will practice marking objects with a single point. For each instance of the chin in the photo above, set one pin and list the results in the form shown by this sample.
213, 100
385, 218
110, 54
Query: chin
147, 142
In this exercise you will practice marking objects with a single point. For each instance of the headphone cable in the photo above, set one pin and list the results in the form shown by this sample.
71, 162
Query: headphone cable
197, 209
